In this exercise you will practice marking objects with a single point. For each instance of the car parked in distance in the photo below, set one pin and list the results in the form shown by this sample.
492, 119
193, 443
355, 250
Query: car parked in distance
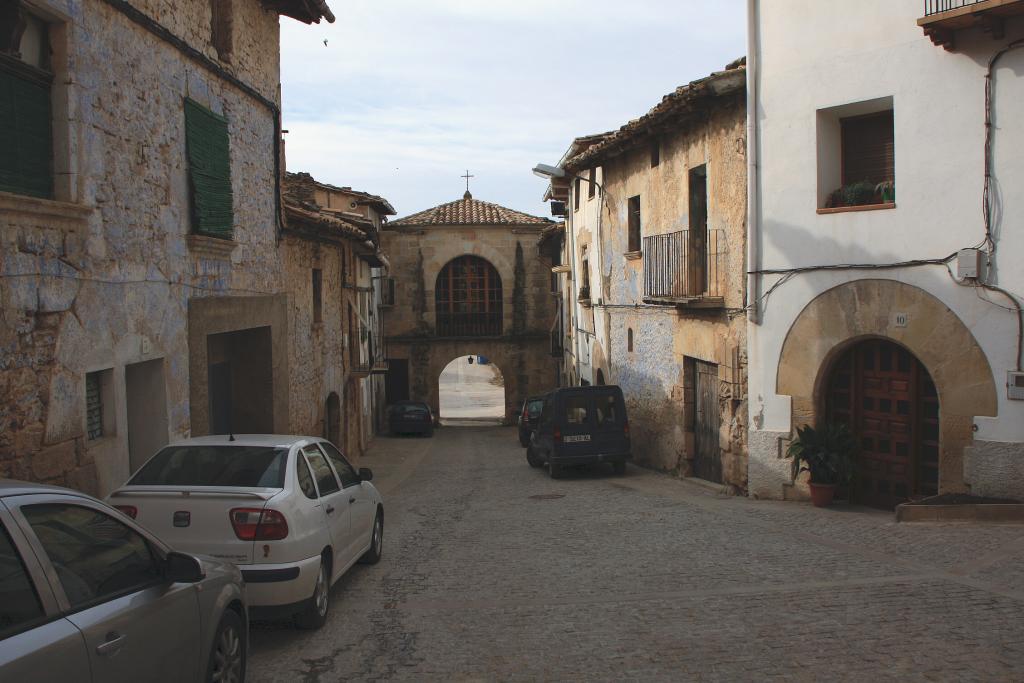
528, 418
410, 417
88, 595
581, 426
289, 511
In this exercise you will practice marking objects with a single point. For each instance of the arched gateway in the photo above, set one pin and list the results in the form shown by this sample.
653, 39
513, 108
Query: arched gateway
469, 280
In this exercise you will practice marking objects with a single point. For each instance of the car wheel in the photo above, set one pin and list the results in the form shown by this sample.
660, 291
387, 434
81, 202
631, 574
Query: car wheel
372, 556
227, 656
555, 471
314, 613
619, 467
531, 457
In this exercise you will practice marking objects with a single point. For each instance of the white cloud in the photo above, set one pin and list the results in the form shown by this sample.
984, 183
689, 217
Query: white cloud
407, 94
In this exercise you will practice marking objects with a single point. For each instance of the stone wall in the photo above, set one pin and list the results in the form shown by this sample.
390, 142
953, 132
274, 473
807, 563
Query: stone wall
103, 278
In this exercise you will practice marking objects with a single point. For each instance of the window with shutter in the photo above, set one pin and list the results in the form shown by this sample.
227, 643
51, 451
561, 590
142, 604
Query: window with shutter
26, 137
634, 224
868, 150
209, 161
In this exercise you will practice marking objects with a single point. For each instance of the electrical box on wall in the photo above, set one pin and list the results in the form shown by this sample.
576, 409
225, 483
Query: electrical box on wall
1015, 386
969, 263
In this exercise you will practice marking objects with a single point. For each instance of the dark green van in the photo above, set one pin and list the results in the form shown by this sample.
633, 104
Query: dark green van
581, 426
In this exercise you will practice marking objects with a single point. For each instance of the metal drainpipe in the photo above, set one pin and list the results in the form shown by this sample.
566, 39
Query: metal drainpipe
753, 293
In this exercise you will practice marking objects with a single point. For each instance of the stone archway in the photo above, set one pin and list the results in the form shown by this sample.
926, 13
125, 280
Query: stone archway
852, 312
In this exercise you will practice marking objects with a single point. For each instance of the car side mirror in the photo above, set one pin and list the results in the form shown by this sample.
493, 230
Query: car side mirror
365, 474
182, 568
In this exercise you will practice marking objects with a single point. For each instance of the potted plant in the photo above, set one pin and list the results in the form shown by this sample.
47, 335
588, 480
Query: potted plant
887, 191
827, 454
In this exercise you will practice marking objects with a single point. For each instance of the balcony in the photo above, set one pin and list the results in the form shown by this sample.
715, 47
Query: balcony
364, 356
943, 18
685, 269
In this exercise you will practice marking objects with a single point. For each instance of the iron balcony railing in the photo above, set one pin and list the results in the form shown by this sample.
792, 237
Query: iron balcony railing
938, 6
684, 265
469, 323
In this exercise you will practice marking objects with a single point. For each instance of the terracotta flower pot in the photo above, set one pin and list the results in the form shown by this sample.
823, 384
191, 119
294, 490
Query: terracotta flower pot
822, 494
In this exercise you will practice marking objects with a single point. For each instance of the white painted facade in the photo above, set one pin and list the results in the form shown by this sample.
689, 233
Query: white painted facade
809, 57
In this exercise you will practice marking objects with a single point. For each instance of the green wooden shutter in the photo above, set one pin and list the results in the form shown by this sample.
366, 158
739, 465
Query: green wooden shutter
209, 162
26, 138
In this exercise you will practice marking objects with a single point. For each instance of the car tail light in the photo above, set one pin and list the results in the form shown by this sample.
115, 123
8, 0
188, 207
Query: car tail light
558, 435
625, 429
254, 524
129, 510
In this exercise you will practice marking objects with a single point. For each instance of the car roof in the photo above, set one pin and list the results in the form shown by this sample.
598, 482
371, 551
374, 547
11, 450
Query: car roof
410, 403
14, 487
266, 440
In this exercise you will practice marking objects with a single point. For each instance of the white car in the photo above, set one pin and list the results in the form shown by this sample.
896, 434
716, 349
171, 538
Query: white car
289, 511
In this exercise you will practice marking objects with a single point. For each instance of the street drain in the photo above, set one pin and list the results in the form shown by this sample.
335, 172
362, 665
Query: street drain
547, 496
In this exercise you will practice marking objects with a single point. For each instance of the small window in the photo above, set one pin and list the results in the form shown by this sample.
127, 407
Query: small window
305, 478
576, 195
99, 404
387, 292
347, 473
592, 186
325, 480
634, 223
20, 608
576, 409
856, 155
221, 28
629, 340
209, 158
655, 152
26, 135
96, 556
318, 300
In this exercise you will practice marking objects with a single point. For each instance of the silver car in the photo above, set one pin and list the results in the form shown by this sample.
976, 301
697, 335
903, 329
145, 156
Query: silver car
86, 594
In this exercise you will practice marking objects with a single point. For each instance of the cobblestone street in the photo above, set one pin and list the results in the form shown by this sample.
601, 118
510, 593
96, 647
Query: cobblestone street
493, 571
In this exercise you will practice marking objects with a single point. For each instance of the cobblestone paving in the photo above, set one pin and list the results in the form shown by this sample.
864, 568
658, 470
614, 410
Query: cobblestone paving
644, 578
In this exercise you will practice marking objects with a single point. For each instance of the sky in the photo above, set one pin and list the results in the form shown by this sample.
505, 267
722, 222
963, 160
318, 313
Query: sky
407, 95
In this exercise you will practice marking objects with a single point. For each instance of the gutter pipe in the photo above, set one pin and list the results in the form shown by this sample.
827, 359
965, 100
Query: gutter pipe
753, 293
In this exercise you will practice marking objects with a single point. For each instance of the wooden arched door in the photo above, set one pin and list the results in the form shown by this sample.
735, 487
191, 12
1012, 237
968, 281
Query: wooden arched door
888, 399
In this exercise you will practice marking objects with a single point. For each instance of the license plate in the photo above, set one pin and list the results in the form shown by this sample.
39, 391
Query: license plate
575, 438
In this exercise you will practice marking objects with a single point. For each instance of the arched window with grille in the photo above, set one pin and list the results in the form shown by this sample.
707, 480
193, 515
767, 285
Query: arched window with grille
468, 299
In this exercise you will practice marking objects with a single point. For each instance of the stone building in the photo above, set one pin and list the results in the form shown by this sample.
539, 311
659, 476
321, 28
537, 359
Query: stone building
468, 280
140, 297
656, 217
333, 268
886, 289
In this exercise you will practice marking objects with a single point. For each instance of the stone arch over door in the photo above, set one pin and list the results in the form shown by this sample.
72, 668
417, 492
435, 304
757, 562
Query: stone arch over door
852, 312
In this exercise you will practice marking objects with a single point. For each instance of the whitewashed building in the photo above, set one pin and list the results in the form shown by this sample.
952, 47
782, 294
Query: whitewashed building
885, 241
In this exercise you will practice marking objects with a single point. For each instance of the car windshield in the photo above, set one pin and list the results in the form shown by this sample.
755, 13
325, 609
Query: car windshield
235, 466
533, 408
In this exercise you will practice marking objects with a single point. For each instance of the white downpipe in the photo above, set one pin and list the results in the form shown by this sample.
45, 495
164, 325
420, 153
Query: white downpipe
753, 163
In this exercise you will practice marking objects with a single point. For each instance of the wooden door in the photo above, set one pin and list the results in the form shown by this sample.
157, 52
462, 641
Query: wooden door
889, 401
707, 460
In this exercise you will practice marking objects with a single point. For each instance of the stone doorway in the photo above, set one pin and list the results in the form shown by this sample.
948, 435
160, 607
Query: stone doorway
889, 401
240, 382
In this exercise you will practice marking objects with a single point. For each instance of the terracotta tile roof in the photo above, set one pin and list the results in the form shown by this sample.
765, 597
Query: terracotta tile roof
550, 232
676, 106
303, 213
469, 211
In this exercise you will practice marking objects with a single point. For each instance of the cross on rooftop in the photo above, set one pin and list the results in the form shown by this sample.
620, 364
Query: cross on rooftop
467, 177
